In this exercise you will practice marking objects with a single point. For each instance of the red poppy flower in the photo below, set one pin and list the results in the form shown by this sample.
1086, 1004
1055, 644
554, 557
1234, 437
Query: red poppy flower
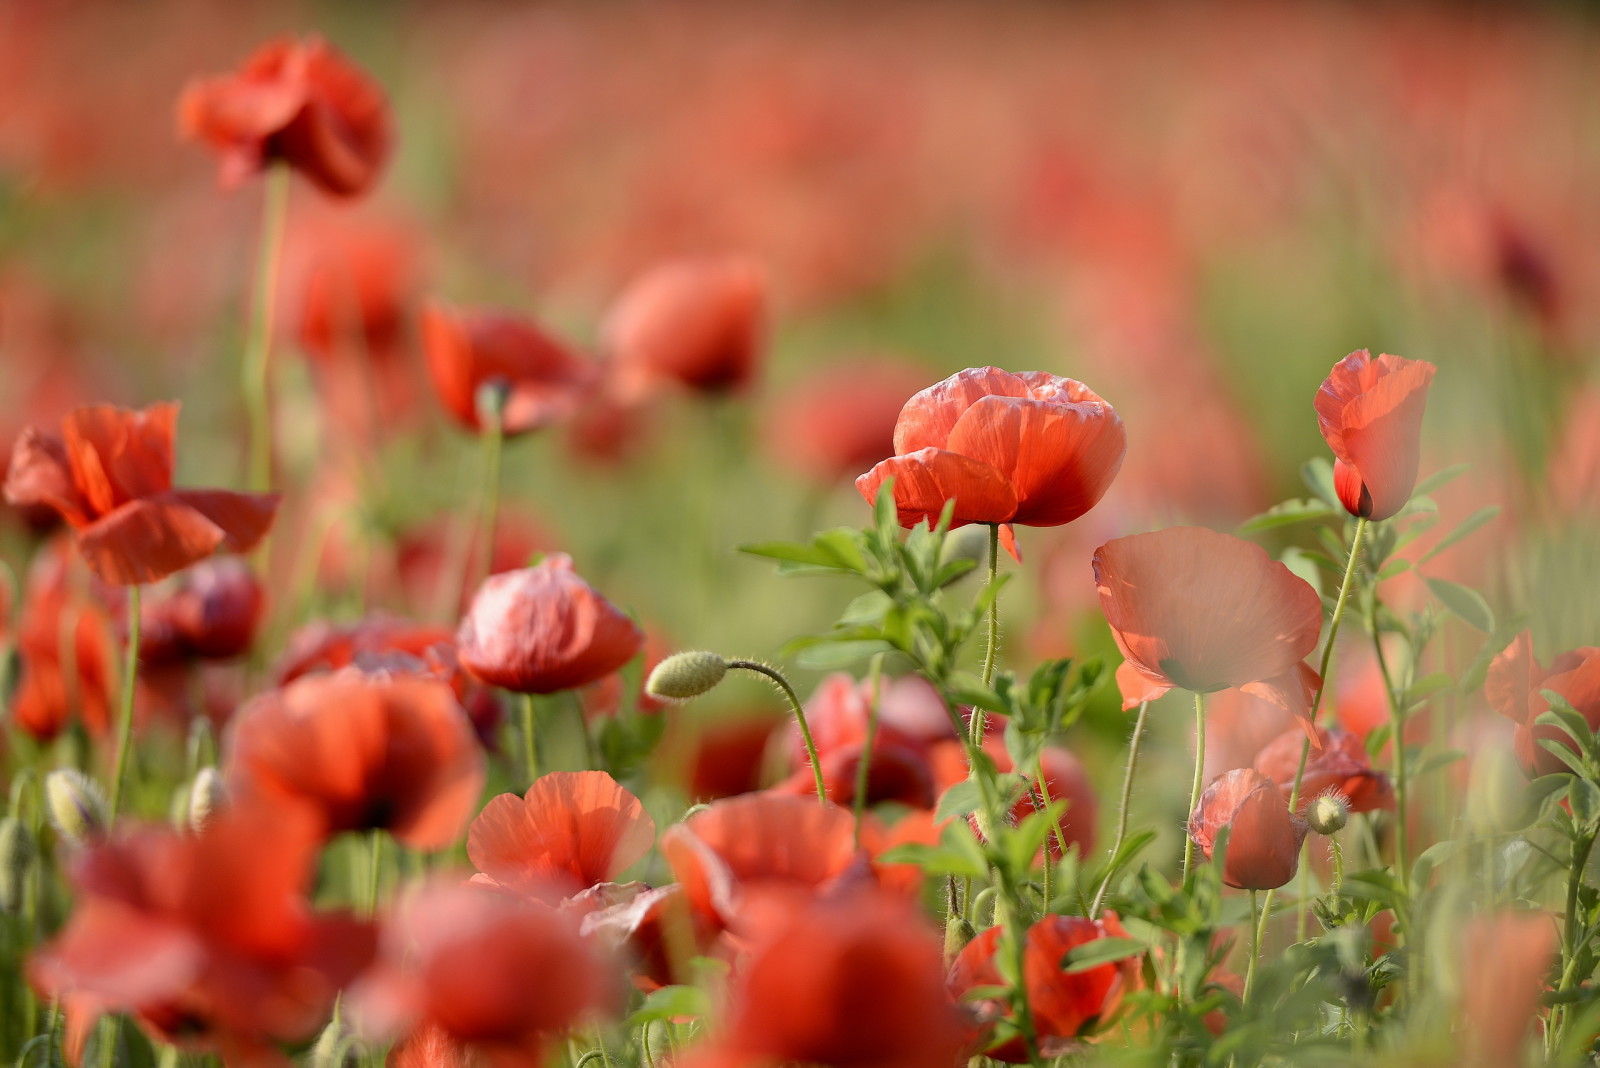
206, 938
1341, 765
1263, 838
466, 350
700, 321
1065, 1005
1203, 611
842, 418
299, 102
208, 612
1512, 687
543, 630
110, 476
1065, 778
1505, 959
363, 753
718, 756
480, 978
1030, 448
64, 650
1370, 413
571, 831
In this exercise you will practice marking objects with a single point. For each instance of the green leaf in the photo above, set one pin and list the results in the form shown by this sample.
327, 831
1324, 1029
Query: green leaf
937, 859
829, 655
1584, 798
671, 1002
1467, 526
1439, 478
960, 799
1318, 476
1464, 601
1098, 952
1286, 514
792, 551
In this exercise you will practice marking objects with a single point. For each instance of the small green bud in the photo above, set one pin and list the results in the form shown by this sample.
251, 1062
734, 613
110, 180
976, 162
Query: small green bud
207, 795
957, 933
1328, 814
685, 675
77, 806
491, 398
17, 851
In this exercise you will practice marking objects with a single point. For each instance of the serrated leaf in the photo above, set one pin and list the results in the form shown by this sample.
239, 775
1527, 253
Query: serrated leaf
1286, 514
1464, 601
1098, 952
1465, 527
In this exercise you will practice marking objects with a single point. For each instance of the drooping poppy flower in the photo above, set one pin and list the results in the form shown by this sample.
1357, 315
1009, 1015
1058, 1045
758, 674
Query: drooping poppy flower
1341, 765
842, 419
110, 477
1512, 687
544, 381
297, 102
1263, 837
1030, 448
699, 321
1065, 1005
1203, 611
362, 753
543, 630
572, 830
207, 938
1370, 413
851, 982
1505, 960
207, 612
480, 978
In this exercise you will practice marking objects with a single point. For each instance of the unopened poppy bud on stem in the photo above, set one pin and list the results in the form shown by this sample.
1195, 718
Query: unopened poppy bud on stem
490, 399
1328, 814
77, 805
17, 852
685, 675
207, 795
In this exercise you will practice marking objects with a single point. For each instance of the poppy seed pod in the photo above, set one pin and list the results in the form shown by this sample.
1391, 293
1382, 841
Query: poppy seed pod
77, 806
685, 675
1263, 838
1370, 414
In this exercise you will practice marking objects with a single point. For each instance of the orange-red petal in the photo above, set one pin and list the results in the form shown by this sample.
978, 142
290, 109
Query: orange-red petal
1370, 413
925, 480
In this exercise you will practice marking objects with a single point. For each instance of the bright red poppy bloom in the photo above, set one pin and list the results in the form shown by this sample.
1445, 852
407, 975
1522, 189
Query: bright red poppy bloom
1203, 611
479, 978
1512, 687
110, 476
208, 612
572, 830
543, 630
1064, 1005
842, 418
206, 938
1030, 448
363, 753
698, 320
1263, 838
1370, 413
545, 382
1341, 765
298, 102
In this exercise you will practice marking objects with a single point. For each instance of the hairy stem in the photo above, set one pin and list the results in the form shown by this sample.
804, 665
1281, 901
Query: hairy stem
1122, 814
799, 716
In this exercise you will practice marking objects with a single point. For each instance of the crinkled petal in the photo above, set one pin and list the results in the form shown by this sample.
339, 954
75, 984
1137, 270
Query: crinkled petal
925, 480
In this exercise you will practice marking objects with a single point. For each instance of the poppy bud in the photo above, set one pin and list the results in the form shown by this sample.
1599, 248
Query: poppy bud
490, 399
330, 1048
207, 795
685, 675
17, 852
1328, 814
77, 805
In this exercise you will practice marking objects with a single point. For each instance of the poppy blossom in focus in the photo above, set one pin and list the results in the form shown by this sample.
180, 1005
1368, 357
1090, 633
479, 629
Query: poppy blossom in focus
1030, 448
1202, 611
543, 630
572, 830
110, 477
1263, 838
1512, 687
1370, 413
363, 753
1341, 765
466, 351
700, 321
1065, 1005
297, 102
842, 419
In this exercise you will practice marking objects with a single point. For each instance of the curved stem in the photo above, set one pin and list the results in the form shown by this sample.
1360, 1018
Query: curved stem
530, 750
977, 726
1199, 781
256, 366
130, 678
1122, 816
799, 715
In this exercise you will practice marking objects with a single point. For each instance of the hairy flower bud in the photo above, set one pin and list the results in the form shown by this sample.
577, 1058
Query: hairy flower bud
1328, 813
77, 805
207, 795
685, 675
17, 852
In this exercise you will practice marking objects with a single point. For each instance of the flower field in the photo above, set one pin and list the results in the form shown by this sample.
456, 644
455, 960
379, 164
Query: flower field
770, 535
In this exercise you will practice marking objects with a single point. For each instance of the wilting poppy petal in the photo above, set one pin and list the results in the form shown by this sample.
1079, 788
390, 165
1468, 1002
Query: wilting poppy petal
1263, 837
1370, 412
925, 480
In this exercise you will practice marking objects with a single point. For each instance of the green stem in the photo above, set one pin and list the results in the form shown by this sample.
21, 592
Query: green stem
1122, 815
1255, 945
994, 631
488, 513
799, 716
1581, 848
530, 750
1194, 788
130, 678
1055, 825
864, 769
256, 366
1397, 742
374, 873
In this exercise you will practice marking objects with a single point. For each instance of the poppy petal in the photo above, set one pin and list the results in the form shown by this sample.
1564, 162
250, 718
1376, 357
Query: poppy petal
1136, 686
243, 518
925, 480
40, 473
118, 454
1512, 678
1370, 413
147, 540
928, 417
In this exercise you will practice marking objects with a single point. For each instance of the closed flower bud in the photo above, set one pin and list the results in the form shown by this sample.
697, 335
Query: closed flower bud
207, 795
685, 675
1328, 814
77, 806
490, 399
17, 852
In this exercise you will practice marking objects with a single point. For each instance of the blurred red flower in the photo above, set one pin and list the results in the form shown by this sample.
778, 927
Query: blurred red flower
1263, 838
207, 939
842, 418
298, 102
543, 630
1512, 687
208, 612
1341, 765
571, 831
363, 753
110, 476
466, 351
65, 653
1505, 963
698, 320
1203, 611
1030, 448
1370, 413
